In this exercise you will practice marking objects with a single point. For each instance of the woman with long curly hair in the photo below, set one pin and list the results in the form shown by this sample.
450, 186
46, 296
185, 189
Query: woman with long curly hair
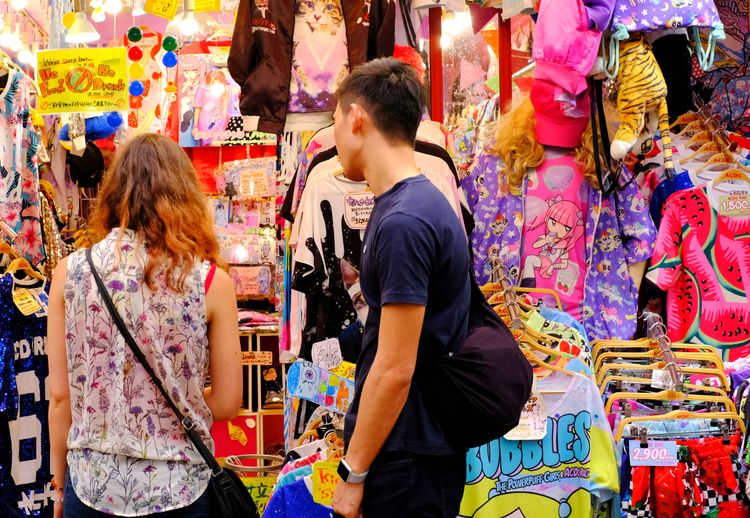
539, 212
116, 447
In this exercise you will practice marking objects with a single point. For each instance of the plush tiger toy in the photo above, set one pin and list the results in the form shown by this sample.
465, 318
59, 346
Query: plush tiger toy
642, 90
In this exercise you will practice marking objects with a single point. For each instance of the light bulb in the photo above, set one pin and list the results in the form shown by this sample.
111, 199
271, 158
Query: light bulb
25, 56
188, 26
98, 15
138, 8
217, 89
81, 31
16, 44
18, 4
96, 3
6, 37
113, 6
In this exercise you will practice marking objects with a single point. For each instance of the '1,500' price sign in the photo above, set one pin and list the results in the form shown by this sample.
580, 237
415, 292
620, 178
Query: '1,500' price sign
656, 453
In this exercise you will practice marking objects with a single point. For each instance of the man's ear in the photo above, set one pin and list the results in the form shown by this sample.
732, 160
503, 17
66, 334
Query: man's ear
357, 116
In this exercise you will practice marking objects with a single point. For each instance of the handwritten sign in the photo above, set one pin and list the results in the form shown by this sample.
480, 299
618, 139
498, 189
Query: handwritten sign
327, 354
163, 8
357, 209
324, 480
251, 281
656, 453
260, 489
533, 422
82, 80
202, 6
345, 370
257, 358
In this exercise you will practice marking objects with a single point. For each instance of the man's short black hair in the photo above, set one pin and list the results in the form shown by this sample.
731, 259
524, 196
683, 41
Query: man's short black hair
390, 91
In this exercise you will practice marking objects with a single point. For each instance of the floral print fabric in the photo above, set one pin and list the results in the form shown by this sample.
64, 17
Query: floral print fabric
127, 452
19, 172
618, 233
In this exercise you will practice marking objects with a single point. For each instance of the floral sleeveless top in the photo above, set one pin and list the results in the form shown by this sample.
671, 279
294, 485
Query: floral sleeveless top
127, 452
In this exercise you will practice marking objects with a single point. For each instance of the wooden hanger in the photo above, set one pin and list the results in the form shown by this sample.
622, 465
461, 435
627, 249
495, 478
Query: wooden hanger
667, 395
709, 147
723, 159
23, 265
6, 249
543, 291
646, 381
534, 359
733, 174
698, 371
656, 353
678, 415
685, 118
694, 126
646, 344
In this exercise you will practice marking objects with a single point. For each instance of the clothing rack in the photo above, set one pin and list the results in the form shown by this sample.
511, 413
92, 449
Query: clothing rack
657, 331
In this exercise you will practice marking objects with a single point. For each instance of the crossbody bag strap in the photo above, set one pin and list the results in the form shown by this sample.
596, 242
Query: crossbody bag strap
185, 421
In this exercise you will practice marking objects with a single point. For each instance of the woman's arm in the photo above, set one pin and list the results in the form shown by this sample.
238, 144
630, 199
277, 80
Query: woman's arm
57, 382
224, 397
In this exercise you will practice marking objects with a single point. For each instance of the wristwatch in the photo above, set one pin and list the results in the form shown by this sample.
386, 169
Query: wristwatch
349, 476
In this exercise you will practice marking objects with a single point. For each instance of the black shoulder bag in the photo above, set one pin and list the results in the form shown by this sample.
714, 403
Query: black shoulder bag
477, 391
228, 496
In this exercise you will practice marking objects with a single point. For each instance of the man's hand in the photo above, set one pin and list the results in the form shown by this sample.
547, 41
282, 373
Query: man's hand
347, 499
59, 509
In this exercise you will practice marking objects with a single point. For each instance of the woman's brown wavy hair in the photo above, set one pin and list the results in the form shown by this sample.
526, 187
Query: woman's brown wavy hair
517, 147
152, 189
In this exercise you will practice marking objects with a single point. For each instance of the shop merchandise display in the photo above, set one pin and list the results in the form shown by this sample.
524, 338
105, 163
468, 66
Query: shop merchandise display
631, 414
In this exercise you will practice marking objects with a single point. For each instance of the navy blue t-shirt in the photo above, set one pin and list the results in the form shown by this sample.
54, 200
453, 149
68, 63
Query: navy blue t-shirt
414, 252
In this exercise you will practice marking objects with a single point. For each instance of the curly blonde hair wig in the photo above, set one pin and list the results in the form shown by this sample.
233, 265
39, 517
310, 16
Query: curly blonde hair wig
517, 147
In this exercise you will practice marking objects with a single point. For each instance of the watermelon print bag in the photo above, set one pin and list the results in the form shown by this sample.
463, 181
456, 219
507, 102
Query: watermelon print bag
654, 15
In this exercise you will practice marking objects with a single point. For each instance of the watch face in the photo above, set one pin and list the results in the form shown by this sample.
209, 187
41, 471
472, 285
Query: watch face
343, 472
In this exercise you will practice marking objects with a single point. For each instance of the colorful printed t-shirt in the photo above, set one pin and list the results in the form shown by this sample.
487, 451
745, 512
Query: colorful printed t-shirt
321, 60
558, 476
702, 258
19, 171
553, 249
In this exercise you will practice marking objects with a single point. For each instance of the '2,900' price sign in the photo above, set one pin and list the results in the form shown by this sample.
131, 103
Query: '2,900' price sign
656, 453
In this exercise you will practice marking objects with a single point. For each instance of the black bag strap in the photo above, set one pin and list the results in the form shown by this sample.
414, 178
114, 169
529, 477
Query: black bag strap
599, 126
186, 422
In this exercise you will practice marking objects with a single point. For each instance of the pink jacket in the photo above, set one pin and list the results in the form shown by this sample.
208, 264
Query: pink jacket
566, 41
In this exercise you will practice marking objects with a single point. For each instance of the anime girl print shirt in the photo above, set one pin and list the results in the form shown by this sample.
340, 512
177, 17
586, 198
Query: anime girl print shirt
553, 251
617, 232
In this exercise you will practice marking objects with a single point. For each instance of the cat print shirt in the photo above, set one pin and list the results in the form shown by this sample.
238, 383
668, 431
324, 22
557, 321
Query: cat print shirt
320, 60
553, 252
618, 232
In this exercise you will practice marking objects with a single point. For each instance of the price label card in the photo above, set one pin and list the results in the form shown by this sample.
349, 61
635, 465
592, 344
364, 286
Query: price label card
324, 480
661, 379
533, 422
327, 354
735, 204
26, 302
357, 209
656, 453
163, 8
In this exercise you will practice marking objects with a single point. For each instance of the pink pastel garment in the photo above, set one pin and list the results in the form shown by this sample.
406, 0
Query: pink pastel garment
565, 48
553, 250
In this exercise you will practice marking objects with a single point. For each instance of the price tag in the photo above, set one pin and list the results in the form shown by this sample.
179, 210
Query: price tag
357, 209
661, 379
202, 6
26, 302
327, 354
657, 453
533, 422
163, 8
324, 480
735, 205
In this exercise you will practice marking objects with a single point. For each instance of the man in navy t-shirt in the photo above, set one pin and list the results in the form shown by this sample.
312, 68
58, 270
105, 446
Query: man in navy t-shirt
415, 279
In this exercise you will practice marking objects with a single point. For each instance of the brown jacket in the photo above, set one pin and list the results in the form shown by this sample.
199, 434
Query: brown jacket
260, 58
